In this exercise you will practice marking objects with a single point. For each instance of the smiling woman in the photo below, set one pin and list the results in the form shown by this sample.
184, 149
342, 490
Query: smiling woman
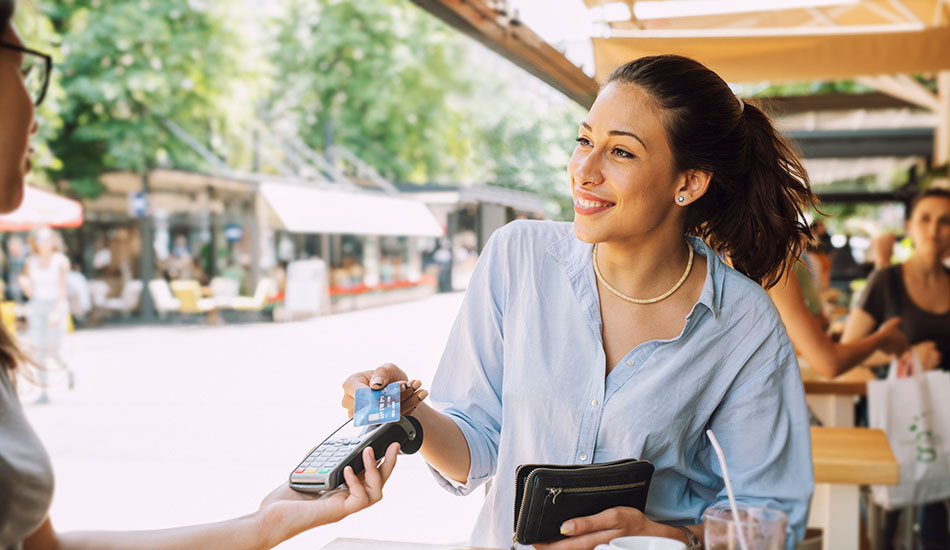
625, 334
753, 188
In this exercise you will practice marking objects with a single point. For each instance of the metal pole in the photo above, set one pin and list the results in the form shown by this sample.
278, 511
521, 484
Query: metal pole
146, 254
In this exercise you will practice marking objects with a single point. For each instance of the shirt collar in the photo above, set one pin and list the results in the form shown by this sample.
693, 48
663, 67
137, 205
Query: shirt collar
576, 257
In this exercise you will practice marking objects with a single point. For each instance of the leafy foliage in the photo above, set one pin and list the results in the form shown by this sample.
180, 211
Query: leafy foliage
381, 75
126, 67
408, 95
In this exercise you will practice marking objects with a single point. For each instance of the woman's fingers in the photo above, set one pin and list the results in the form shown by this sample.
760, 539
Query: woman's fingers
377, 379
386, 374
409, 404
350, 385
408, 389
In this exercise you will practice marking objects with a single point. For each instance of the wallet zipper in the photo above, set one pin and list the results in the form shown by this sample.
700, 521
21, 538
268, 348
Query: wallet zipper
524, 497
556, 491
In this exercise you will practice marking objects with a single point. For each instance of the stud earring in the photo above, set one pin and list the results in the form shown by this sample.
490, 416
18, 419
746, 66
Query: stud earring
681, 199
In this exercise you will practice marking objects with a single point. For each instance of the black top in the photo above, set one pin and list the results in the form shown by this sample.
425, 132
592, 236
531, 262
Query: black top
885, 296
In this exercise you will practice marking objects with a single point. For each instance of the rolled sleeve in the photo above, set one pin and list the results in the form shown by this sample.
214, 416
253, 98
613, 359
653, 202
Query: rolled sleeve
484, 457
468, 382
763, 429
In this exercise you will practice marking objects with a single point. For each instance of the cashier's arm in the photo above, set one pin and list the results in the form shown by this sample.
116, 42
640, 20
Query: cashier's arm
443, 445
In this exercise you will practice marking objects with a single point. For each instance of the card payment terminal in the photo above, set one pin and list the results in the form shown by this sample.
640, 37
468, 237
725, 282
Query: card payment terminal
322, 468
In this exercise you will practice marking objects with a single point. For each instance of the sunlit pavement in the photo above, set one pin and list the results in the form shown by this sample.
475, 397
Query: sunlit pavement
175, 425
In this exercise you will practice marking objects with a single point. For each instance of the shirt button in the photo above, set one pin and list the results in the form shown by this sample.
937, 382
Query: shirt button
593, 403
630, 362
583, 456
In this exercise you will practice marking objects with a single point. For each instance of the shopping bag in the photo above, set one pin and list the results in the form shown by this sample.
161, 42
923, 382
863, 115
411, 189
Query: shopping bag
914, 412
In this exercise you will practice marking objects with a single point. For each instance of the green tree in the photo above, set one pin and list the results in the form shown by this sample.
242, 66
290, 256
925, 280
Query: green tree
129, 66
381, 74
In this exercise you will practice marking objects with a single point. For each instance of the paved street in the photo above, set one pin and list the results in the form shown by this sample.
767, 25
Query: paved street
174, 425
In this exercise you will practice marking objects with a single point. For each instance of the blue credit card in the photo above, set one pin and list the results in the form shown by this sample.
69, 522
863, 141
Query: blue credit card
376, 406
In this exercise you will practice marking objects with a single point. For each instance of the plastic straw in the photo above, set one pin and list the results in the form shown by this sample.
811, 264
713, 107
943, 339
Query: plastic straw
732, 497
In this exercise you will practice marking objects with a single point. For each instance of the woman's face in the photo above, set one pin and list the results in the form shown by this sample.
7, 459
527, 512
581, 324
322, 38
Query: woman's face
622, 176
929, 227
16, 112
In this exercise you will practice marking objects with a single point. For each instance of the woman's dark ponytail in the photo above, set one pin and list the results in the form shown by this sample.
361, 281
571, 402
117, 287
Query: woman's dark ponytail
753, 211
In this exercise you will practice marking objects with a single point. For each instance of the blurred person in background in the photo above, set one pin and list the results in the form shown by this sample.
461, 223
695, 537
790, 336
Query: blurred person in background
102, 258
814, 345
26, 482
819, 256
44, 282
180, 263
16, 259
918, 292
77, 287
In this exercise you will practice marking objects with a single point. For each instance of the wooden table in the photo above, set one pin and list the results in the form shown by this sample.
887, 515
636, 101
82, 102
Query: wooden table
369, 544
843, 459
832, 400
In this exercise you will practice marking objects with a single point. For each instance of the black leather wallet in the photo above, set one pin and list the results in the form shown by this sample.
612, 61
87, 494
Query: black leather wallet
547, 495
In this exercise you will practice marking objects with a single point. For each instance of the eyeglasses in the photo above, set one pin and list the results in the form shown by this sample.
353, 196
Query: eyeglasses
36, 68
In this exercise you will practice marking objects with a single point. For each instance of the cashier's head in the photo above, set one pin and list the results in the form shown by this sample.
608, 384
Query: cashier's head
744, 188
16, 112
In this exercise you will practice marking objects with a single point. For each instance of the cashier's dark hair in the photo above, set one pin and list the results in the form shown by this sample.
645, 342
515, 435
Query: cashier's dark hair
6, 13
10, 355
759, 190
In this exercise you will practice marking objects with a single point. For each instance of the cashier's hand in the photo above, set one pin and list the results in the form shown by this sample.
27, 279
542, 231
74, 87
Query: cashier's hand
587, 532
286, 513
412, 393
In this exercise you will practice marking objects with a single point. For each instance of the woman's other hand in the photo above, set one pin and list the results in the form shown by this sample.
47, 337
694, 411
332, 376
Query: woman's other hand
891, 339
410, 396
587, 532
286, 513
928, 355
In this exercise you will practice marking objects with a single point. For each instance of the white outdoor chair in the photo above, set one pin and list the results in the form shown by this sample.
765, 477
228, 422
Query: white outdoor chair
127, 301
162, 298
257, 302
99, 291
224, 291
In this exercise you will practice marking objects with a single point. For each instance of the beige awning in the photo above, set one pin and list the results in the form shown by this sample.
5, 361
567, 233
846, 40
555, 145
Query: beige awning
788, 57
780, 40
301, 209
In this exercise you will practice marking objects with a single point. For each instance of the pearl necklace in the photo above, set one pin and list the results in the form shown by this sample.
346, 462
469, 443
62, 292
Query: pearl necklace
622, 296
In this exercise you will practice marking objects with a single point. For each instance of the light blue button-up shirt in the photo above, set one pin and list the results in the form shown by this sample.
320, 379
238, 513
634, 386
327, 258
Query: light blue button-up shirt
523, 378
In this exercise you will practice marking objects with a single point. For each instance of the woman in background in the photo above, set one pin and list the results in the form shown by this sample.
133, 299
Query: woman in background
918, 292
44, 282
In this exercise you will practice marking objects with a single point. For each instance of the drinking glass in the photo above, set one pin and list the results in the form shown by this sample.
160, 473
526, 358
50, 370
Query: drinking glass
764, 529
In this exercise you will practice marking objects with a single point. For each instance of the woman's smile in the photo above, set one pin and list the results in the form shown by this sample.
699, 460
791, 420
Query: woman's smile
587, 204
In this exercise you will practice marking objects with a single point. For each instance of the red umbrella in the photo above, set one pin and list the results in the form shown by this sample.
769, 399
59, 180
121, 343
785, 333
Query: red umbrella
42, 208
